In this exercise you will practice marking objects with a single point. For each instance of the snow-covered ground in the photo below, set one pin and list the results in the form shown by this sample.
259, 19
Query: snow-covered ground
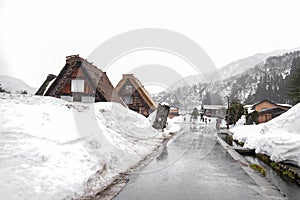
173, 126
278, 138
53, 149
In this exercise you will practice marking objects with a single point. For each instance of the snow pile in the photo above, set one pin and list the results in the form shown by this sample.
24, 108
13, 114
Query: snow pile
241, 121
151, 117
223, 123
172, 126
246, 133
278, 138
51, 149
176, 119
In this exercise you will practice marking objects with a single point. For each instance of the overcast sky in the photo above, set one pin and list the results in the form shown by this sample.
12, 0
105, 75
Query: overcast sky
36, 36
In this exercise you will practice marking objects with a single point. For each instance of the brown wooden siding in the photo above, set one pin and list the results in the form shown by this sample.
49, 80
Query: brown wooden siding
66, 90
264, 105
264, 118
77, 74
138, 103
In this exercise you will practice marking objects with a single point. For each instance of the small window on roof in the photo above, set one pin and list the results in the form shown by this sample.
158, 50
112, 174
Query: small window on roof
128, 89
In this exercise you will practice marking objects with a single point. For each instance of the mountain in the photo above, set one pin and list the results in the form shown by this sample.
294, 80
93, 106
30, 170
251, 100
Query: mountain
242, 65
232, 69
263, 80
15, 85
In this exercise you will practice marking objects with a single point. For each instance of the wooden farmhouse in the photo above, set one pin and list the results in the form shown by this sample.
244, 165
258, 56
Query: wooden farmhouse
214, 110
174, 112
80, 81
135, 95
268, 110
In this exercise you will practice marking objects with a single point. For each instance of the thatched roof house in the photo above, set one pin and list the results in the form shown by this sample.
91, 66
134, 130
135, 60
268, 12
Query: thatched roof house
135, 95
80, 81
44, 87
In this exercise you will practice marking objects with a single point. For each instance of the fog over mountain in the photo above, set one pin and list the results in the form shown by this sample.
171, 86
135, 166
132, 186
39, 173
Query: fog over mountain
14, 85
258, 77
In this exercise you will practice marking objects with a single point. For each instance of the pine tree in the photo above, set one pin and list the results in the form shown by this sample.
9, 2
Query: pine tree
207, 99
195, 113
3, 90
293, 85
236, 110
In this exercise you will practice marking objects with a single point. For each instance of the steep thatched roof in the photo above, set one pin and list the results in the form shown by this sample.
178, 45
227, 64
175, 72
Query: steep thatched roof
139, 87
44, 86
96, 78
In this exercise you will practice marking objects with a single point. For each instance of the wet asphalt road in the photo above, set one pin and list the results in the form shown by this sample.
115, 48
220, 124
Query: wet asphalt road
192, 166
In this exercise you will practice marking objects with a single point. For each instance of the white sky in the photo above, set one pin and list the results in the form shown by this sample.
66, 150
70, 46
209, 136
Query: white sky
36, 36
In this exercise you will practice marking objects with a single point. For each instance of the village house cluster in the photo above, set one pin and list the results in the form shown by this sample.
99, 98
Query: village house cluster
81, 81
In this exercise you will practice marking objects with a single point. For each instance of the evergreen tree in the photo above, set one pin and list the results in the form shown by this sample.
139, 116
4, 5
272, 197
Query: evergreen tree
236, 110
207, 99
293, 85
3, 90
195, 113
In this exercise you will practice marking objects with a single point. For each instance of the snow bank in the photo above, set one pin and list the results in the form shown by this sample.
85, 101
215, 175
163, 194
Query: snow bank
241, 121
278, 138
151, 117
176, 119
51, 149
247, 132
172, 126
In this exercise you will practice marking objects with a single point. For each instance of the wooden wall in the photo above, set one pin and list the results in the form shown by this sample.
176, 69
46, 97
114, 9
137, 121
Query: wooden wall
264, 118
264, 105
173, 112
77, 74
138, 103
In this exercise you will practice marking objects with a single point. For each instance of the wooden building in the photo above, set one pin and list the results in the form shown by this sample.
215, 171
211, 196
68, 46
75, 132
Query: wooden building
135, 95
174, 112
267, 110
80, 81
213, 110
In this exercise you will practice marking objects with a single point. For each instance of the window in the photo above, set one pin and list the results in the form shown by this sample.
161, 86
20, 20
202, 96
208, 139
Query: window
67, 98
128, 89
128, 100
77, 85
87, 99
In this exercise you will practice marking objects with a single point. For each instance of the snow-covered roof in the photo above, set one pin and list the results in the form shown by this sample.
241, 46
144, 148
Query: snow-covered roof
139, 87
248, 106
284, 105
212, 107
164, 104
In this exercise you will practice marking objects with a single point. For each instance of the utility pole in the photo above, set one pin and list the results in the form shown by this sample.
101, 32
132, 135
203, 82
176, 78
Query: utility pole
228, 112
